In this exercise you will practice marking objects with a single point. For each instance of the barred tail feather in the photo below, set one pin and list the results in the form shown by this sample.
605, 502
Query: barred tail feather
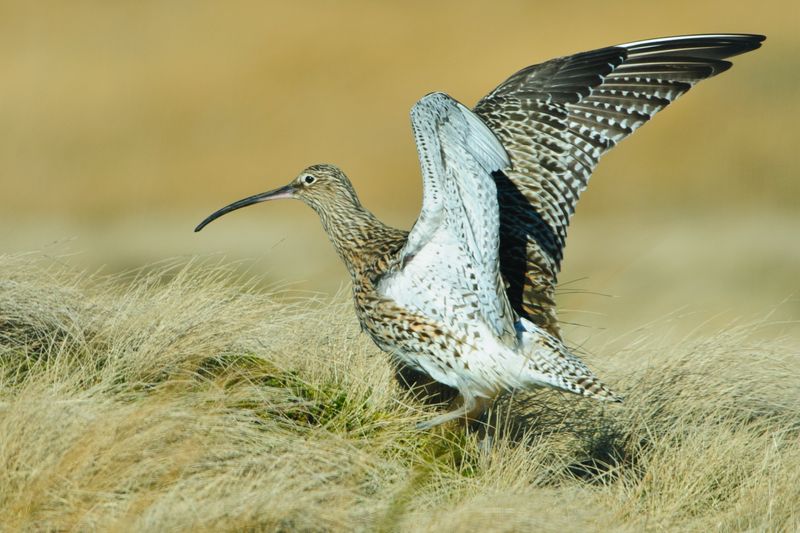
551, 364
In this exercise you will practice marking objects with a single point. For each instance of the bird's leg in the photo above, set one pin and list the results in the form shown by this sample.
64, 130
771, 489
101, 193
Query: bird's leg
480, 404
461, 411
471, 409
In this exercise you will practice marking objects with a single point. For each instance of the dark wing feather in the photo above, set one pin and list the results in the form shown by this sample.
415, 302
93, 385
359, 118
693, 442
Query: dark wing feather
557, 119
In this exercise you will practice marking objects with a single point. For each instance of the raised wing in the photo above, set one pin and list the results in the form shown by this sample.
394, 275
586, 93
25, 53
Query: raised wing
453, 247
556, 119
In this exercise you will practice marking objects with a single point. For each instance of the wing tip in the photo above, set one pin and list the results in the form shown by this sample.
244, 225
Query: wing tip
710, 45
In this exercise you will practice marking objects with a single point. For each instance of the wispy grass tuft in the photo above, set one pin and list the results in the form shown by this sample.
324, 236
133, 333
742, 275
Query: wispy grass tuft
183, 397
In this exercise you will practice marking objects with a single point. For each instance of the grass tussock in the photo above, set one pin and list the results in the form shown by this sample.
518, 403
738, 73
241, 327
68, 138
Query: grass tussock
184, 398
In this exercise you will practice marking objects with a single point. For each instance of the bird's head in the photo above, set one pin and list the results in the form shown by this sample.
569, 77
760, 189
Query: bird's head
322, 187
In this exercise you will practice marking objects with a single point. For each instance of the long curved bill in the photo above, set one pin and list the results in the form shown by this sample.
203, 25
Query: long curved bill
287, 191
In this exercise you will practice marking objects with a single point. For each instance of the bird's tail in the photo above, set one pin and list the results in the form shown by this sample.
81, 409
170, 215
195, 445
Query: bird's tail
551, 364
591, 387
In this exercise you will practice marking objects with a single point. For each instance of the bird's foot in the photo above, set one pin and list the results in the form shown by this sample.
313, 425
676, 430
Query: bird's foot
441, 419
485, 444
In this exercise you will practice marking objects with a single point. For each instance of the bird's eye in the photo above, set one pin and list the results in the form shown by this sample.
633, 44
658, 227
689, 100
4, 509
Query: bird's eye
308, 179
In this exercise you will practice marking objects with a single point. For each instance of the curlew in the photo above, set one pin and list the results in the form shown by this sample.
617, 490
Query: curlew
467, 295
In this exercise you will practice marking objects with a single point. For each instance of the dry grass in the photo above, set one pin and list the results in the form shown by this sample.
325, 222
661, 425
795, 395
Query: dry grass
185, 398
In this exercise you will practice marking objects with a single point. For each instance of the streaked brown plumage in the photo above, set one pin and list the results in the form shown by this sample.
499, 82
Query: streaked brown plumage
467, 296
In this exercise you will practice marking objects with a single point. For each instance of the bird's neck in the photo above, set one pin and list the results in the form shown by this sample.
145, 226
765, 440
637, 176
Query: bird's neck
360, 238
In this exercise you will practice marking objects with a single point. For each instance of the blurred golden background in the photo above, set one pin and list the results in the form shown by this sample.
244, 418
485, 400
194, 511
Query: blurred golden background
126, 123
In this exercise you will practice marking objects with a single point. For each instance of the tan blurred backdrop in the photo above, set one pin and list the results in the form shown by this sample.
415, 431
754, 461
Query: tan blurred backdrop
123, 124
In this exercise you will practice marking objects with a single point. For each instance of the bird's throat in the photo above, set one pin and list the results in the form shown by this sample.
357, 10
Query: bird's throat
359, 237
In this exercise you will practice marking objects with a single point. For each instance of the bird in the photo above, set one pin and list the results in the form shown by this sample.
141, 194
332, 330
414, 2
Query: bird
467, 296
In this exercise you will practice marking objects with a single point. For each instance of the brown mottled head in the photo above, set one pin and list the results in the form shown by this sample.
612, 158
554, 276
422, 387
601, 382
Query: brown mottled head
323, 187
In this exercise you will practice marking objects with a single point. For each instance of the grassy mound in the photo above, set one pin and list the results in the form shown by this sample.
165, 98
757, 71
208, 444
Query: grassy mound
185, 398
